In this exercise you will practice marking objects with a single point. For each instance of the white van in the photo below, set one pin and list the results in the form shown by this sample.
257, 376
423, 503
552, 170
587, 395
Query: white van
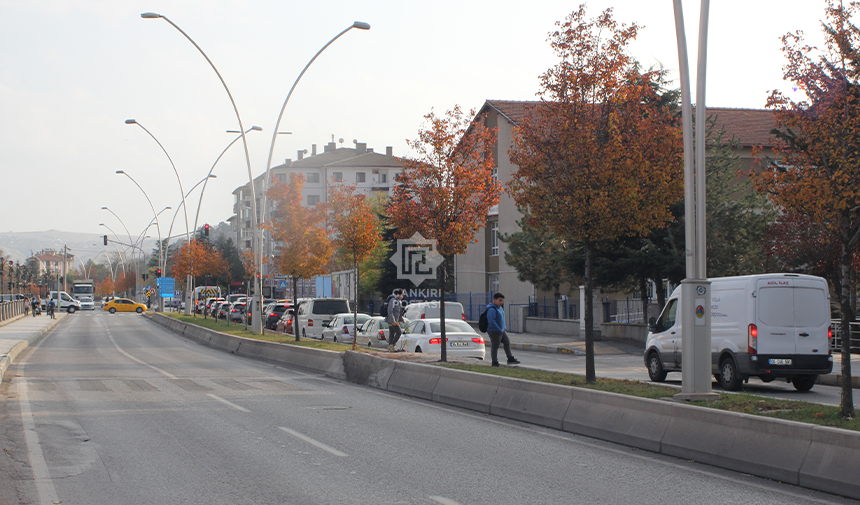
767, 326
430, 310
65, 302
315, 313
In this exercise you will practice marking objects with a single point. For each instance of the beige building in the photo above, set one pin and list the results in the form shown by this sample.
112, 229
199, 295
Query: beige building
483, 267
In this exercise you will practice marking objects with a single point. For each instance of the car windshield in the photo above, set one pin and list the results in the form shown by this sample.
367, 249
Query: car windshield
330, 306
452, 326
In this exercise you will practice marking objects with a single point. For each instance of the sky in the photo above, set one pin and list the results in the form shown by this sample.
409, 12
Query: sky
72, 73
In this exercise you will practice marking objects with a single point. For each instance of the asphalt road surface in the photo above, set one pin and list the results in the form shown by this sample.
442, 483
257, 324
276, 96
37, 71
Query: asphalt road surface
112, 409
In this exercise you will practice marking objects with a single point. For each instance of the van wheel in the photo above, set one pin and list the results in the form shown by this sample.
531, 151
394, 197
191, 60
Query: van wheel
304, 335
729, 378
655, 368
804, 383
71, 310
417, 349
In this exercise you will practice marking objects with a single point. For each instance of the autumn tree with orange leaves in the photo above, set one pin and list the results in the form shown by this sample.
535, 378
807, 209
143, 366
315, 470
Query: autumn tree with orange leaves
306, 246
600, 156
447, 189
198, 259
815, 171
355, 232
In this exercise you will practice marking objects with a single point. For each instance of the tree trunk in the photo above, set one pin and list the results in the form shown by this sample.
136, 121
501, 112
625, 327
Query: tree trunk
444, 340
590, 375
296, 308
847, 318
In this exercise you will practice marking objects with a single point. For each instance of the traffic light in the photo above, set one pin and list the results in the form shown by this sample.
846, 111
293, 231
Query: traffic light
158, 273
144, 276
205, 230
105, 239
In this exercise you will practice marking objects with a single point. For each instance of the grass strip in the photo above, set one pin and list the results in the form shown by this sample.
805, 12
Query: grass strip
791, 410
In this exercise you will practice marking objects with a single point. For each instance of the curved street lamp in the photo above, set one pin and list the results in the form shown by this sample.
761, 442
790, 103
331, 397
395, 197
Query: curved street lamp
181, 191
115, 247
357, 24
258, 291
157, 225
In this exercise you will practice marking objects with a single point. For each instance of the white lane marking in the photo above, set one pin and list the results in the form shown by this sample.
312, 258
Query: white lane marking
226, 402
41, 475
599, 445
316, 443
443, 500
129, 356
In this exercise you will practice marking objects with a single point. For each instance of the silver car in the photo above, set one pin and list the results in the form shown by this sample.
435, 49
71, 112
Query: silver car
373, 333
87, 303
341, 328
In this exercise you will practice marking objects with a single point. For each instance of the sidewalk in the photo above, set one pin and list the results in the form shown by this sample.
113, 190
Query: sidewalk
570, 345
16, 335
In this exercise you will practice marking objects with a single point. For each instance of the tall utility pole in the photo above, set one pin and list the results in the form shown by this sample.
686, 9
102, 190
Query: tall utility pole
695, 314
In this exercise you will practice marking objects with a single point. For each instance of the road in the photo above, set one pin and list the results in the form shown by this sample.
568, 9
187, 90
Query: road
621, 365
113, 409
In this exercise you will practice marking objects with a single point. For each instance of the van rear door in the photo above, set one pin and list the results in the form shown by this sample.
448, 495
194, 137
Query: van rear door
792, 316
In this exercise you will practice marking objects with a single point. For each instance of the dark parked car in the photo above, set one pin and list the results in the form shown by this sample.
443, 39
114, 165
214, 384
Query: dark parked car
273, 312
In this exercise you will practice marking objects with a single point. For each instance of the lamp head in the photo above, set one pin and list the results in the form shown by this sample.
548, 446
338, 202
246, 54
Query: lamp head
150, 15
256, 128
101, 224
130, 121
120, 172
361, 25
104, 208
213, 176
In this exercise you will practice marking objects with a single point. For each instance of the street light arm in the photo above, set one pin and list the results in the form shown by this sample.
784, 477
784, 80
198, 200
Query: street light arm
120, 222
181, 191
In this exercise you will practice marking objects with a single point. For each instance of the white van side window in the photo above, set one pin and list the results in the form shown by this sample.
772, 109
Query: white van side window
776, 306
810, 307
667, 318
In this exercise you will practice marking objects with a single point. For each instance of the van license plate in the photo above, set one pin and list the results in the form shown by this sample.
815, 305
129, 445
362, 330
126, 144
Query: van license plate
779, 361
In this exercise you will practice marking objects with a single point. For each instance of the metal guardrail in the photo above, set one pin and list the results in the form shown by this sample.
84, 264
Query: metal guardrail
854, 336
8, 310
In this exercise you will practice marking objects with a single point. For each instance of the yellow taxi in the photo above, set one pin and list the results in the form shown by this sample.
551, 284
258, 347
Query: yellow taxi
124, 305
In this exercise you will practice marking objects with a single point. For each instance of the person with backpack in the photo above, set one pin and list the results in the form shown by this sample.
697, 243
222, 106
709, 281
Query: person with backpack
394, 317
495, 317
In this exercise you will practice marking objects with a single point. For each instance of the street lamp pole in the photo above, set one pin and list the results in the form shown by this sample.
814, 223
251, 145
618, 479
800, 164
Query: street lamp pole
357, 24
153, 15
157, 224
114, 245
695, 313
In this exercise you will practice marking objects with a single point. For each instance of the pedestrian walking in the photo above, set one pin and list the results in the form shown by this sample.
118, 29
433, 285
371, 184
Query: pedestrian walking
497, 331
26, 306
370, 306
51, 306
394, 317
37, 306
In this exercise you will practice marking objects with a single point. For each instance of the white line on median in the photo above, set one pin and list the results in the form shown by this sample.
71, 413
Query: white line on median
443, 500
226, 402
129, 356
311, 441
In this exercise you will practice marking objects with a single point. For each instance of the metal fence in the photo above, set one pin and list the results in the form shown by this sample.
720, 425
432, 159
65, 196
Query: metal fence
628, 310
549, 308
854, 336
8, 310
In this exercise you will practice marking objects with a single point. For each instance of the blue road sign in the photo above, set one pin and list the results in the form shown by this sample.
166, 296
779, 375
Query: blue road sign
166, 286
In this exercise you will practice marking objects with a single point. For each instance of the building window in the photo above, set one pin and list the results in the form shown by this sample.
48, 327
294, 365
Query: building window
281, 177
313, 200
493, 282
359, 177
383, 177
494, 239
337, 176
313, 177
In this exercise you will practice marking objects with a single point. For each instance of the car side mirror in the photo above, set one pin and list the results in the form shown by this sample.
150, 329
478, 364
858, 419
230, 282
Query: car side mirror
652, 324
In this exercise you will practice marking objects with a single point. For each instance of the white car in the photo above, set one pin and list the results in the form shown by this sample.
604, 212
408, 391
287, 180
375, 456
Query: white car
374, 333
341, 328
430, 310
87, 303
424, 335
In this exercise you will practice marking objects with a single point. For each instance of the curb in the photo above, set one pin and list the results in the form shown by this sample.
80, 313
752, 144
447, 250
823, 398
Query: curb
541, 348
8, 359
816, 457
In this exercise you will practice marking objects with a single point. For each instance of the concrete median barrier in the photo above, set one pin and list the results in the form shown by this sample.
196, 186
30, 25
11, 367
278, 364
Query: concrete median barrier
532, 402
414, 379
833, 462
368, 370
638, 422
761, 446
469, 390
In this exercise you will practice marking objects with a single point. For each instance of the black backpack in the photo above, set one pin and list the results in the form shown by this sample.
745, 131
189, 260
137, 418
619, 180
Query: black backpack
483, 322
